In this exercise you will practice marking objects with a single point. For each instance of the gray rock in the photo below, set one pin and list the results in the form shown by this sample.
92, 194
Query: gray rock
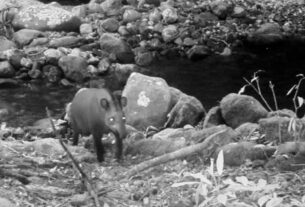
109, 25
116, 46
198, 52
52, 73
103, 66
221, 8
155, 15
213, 117
247, 129
238, 109
6, 203
170, 15
187, 110
169, 33
149, 101
67, 41
144, 58
111, 7
74, 68
6, 44
131, 15
239, 12
268, 33
282, 129
79, 11
85, 29
236, 154
46, 17
25, 36
52, 55
6, 70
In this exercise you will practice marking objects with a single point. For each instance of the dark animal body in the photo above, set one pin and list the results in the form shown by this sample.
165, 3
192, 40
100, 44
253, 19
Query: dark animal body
97, 112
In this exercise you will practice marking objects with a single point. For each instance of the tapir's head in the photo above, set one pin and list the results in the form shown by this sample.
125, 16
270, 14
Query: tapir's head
115, 118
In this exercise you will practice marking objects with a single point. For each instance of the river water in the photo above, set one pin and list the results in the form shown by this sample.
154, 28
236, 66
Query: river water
209, 80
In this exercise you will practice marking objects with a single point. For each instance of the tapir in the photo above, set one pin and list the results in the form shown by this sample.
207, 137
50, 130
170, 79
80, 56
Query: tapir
97, 112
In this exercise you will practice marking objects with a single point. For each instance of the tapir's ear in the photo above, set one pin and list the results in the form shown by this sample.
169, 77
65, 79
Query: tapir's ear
123, 101
104, 103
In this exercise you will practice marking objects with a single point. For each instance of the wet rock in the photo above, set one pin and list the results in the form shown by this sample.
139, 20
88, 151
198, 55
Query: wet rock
103, 66
170, 15
85, 29
6, 110
8, 83
94, 7
123, 30
109, 25
67, 41
6, 203
116, 46
187, 110
40, 41
268, 33
282, 129
25, 36
204, 18
221, 8
15, 58
239, 12
52, 73
111, 7
198, 52
213, 117
46, 17
52, 55
236, 154
155, 15
79, 11
238, 109
74, 68
247, 129
121, 72
131, 15
6, 70
6, 44
144, 57
149, 101
169, 33
34, 73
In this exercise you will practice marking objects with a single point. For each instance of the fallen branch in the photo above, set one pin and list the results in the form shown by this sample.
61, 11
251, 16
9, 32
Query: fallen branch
10, 173
209, 145
85, 178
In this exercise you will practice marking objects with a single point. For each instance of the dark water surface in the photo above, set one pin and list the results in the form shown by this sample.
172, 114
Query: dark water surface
208, 80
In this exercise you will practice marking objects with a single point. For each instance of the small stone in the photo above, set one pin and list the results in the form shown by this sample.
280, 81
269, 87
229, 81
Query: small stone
85, 29
170, 15
169, 33
131, 15
6, 70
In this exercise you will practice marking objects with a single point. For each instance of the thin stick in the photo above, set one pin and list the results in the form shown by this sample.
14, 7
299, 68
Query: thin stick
259, 93
75, 163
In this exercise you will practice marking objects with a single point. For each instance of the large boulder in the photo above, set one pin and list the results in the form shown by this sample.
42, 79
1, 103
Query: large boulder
149, 101
74, 68
46, 17
268, 33
238, 109
114, 45
6, 44
187, 110
6, 70
25, 36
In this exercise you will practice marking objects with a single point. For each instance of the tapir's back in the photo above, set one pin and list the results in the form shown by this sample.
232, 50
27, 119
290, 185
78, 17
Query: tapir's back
86, 112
